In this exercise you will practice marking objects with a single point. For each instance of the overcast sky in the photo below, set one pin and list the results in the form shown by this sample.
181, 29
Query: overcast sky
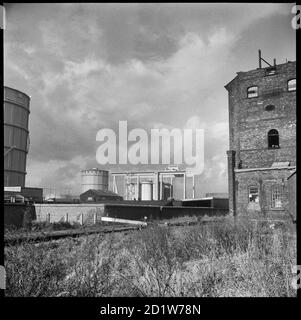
87, 66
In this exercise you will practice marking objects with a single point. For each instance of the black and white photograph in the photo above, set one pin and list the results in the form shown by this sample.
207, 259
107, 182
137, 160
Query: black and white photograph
149, 152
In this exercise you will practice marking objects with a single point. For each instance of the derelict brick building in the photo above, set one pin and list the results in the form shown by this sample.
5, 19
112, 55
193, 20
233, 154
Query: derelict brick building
262, 153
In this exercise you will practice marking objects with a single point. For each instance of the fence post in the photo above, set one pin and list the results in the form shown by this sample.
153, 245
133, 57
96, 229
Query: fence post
82, 219
95, 218
66, 217
48, 217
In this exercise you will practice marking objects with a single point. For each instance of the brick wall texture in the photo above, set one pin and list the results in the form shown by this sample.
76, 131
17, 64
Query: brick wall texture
249, 124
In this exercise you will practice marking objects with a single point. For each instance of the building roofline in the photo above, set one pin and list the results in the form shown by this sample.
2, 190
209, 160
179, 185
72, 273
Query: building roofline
6, 87
228, 84
257, 69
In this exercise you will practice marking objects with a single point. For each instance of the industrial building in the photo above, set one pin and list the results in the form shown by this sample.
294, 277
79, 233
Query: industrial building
94, 179
149, 185
16, 136
262, 124
99, 196
29, 194
207, 202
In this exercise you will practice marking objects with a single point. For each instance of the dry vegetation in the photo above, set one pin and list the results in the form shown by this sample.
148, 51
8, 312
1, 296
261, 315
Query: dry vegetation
204, 260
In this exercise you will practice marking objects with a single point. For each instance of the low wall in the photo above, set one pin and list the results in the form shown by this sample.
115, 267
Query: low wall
124, 211
18, 214
57, 212
158, 212
175, 212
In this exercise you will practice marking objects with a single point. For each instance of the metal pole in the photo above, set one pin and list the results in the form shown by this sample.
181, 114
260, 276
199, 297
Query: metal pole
161, 187
158, 186
184, 186
259, 57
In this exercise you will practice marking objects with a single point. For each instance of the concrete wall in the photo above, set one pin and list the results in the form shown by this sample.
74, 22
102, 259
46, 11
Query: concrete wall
18, 214
175, 212
58, 212
132, 212
220, 203
151, 212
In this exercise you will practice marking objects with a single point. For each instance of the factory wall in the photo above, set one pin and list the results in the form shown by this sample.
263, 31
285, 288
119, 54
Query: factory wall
123, 211
132, 212
58, 212
265, 180
175, 212
250, 121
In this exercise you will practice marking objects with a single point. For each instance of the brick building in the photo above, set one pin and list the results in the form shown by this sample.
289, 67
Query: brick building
262, 151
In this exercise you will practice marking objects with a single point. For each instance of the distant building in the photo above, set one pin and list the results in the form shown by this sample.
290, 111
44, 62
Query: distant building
99, 196
29, 194
94, 179
262, 155
207, 202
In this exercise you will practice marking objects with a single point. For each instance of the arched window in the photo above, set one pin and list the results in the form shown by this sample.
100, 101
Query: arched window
273, 139
291, 85
252, 92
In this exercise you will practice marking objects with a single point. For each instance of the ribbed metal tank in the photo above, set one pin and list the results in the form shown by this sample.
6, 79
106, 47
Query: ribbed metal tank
94, 179
16, 136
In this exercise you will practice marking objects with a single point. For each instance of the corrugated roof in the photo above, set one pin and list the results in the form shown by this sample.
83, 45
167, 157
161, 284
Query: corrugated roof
103, 193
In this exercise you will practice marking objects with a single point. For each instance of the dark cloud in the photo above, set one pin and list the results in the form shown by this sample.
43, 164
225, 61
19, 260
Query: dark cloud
87, 66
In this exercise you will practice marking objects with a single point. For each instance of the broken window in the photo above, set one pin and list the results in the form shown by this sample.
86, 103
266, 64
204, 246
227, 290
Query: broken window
276, 196
253, 194
252, 92
273, 139
291, 85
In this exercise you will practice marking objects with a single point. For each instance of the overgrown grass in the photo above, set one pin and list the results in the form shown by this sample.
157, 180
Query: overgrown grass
211, 260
